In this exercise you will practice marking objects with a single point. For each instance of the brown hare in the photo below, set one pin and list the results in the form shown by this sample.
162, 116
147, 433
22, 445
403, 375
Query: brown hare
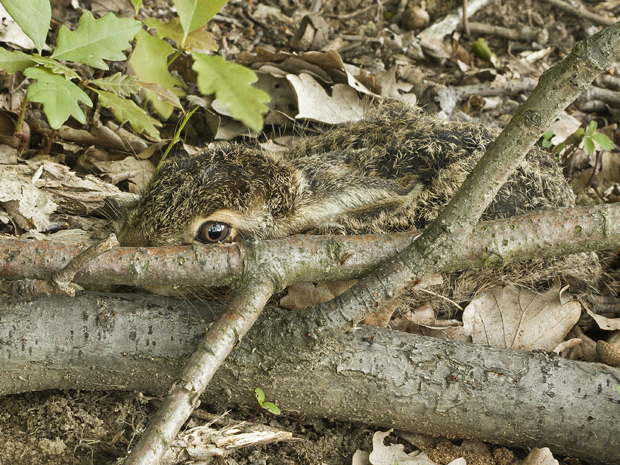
393, 171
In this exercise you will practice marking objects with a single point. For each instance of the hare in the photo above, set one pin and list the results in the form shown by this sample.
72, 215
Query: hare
392, 171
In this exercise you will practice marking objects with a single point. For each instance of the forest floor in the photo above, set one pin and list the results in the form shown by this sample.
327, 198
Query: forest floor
380, 37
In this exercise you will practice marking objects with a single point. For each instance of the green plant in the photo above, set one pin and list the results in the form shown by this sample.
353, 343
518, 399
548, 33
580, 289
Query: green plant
59, 86
587, 136
260, 396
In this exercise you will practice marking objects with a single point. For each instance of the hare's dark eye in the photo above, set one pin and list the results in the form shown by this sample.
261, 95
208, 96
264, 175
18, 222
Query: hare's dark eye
212, 232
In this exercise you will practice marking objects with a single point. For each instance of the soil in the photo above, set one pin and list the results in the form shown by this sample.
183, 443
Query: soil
76, 427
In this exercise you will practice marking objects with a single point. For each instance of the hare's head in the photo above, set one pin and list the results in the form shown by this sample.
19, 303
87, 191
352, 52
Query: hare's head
235, 192
224, 195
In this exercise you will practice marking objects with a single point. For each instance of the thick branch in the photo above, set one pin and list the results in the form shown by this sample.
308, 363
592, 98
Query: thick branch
539, 234
379, 377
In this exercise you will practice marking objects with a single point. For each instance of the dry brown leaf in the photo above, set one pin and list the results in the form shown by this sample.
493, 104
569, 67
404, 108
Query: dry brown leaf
517, 318
315, 104
610, 170
608, 324
395, 453
28, 206
539, 456
303, 295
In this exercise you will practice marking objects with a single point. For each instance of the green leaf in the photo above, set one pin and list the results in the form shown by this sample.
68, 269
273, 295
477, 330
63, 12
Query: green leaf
137, 4
603, 141
618, 387
149, 63
591, 128
588, 144
231, 84
55, 66
119, 84
198, 40
579, 133
260, 395
95, 40
58, 95
15, 61
273, 408
195, 14
127, 111
32, 16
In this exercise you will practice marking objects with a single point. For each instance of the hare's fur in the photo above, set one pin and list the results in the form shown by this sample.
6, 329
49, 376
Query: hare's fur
395, 170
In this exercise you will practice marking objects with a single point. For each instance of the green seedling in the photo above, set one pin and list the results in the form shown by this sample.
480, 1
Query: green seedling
260, 396
589, 137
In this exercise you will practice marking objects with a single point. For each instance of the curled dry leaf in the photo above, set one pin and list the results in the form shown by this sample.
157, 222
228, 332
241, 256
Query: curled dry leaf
395, 453
517, 318
608, 324
305, 295
315, 104
539, 456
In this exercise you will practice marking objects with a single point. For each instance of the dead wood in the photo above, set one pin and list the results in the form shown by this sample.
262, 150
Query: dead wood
538, 234
378, 377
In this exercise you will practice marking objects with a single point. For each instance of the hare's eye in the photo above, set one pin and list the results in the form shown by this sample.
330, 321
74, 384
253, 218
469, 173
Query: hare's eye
212, 232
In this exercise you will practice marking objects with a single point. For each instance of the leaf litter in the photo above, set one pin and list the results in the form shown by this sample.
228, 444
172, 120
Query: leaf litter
341, 83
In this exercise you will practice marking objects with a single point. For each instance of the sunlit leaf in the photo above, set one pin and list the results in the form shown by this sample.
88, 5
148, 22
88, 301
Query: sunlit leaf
55, 66
603, 141
197, 41
32, 16
137, 4
231, 84
122, 85
588, 144
149, 63
127, 111
95, 40
14, 61
273, 408
58, 95
195, 14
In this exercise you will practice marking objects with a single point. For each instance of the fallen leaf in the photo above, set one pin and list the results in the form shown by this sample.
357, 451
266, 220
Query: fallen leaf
539, 456
608, 324
315, 104
518, 318
395, 453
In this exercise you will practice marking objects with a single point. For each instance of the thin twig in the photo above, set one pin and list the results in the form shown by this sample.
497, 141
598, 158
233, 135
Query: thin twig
582, 13
184, 396
61, 280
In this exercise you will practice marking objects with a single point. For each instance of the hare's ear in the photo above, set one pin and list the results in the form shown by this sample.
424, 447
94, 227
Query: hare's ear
331, 202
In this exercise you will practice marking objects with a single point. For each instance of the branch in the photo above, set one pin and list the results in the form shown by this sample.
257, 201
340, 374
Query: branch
379, 377
184, 396
540, 234
557, 88
582, 12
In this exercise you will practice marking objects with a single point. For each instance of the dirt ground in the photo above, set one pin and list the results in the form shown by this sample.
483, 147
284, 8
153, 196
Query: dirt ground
100, 427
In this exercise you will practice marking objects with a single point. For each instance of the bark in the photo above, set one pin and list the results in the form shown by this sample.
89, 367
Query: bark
540, 234
379, 377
